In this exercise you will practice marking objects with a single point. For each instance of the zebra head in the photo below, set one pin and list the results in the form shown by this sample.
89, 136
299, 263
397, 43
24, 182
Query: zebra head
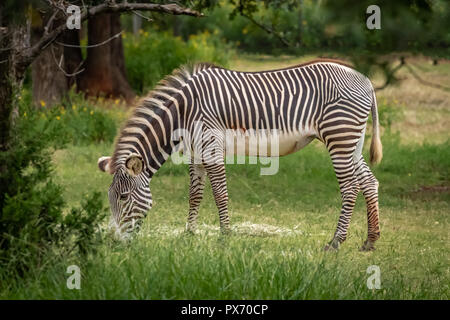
129, 194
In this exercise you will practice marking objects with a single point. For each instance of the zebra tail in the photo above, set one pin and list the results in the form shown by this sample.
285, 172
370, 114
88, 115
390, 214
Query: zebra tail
376, 148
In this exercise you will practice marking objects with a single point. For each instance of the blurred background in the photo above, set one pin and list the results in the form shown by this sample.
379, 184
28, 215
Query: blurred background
147, 45
64, 96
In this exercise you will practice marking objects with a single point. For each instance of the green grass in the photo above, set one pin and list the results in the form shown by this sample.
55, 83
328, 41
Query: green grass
280, 226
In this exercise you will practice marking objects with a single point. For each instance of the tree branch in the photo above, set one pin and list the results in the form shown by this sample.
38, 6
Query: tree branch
266, 29
76, 72
425, 82
390, 76
91, 45
26, 57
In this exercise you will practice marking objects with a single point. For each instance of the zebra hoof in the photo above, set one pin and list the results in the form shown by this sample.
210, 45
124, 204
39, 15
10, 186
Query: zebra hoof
189, 232
191, 229
225, 231
367, 246
332, 246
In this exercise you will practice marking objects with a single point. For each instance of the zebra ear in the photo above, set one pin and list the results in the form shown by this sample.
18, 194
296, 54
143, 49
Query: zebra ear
134, 164
103, 164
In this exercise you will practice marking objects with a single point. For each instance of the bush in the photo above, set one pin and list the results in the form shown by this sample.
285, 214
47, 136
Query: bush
151, 55
303, 25
80, 122
32, 205
81, 227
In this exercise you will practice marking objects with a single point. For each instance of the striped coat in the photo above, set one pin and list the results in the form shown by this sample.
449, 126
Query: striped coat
323, 100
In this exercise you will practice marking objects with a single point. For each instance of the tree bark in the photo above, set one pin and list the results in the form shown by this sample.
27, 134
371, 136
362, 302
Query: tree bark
49, 84
121, 85
6, 90
105, 64
73, 58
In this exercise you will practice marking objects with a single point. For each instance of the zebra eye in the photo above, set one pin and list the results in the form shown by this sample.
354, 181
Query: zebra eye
124, 196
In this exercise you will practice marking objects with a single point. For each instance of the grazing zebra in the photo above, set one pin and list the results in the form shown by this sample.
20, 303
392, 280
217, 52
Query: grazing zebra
323, 99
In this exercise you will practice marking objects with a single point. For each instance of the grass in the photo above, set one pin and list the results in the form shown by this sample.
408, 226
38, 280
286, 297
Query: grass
280, 225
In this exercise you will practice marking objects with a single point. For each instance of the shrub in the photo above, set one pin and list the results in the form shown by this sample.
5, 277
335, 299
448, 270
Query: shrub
79, 122
82, 225
151, 55
31, 204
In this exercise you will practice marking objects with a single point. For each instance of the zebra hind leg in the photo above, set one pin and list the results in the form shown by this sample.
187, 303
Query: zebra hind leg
369, 187
197, 175
216, 174
214, 162
344, 168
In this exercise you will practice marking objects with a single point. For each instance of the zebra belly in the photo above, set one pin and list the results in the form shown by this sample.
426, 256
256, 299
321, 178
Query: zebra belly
243, 143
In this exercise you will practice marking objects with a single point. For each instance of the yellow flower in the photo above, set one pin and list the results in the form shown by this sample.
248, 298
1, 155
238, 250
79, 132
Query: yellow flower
84, 109
58, 118
244, 31
42, 103
117, 101
91, 113
146, 34
24, 114
74, 107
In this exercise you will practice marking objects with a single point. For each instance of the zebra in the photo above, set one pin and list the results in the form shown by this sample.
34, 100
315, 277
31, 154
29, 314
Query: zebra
322, 99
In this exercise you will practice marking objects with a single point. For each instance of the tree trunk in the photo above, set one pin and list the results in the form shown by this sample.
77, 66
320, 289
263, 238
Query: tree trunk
48, 81
73, 58
120, 85
105, 64
6, 91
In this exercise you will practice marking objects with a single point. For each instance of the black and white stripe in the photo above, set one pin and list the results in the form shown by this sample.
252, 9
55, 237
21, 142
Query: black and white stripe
322, 99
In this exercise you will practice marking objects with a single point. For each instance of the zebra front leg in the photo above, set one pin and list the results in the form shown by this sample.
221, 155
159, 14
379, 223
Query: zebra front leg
348, 184
369, 187
197, 175
216, 174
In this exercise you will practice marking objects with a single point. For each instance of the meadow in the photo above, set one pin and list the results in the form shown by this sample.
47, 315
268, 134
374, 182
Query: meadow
280, 223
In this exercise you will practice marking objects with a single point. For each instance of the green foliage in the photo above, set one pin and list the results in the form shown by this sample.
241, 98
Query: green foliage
79, 121
280, 225
151, 55
389, 112
32, 205
82, 225
225, 22
417, 26
310, 26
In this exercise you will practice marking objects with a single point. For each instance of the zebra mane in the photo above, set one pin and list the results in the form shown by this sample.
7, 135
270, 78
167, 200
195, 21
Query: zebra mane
156, 99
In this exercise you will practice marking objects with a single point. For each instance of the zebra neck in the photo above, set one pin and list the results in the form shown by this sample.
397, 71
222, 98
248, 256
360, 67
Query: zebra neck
148, 134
